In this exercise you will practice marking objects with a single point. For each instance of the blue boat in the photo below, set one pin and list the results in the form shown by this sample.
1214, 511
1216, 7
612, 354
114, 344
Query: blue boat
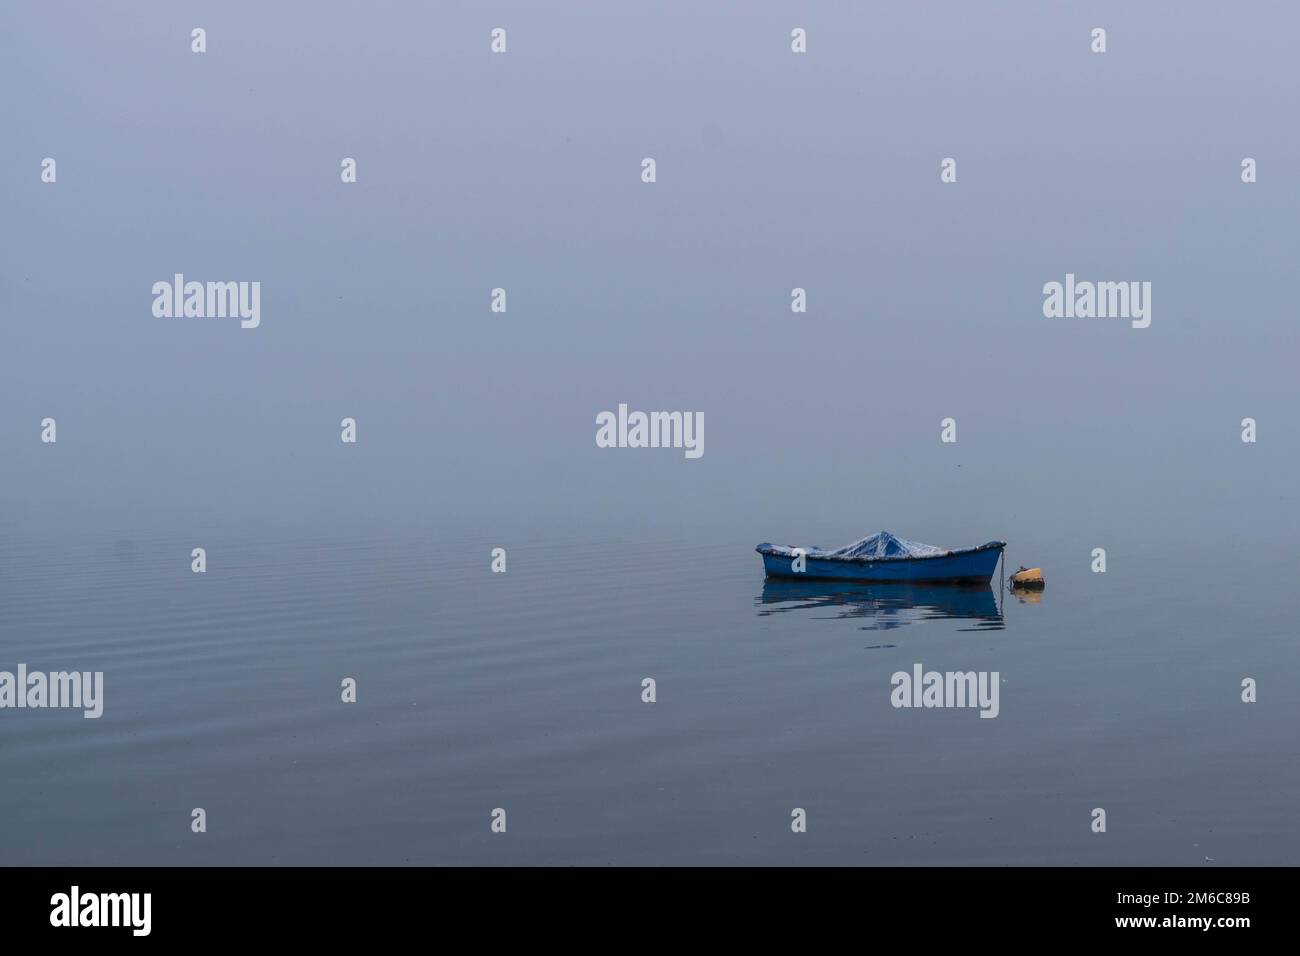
884, 557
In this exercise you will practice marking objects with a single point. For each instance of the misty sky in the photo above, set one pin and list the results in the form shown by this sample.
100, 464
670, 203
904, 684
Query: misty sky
775, 170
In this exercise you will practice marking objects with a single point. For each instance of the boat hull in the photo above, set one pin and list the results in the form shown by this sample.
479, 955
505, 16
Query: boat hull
969, 566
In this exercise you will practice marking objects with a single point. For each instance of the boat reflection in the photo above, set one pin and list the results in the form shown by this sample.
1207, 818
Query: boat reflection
884, 607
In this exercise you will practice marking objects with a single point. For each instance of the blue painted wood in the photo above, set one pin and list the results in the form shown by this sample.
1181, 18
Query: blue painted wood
965, 565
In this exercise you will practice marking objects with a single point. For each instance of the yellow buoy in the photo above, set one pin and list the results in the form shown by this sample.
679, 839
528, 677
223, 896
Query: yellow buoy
1028, 578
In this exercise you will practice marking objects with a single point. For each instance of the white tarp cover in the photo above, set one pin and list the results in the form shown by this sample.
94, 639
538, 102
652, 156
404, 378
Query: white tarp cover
882, 545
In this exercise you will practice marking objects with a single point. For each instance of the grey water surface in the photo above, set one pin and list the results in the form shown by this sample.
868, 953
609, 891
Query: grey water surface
522, 691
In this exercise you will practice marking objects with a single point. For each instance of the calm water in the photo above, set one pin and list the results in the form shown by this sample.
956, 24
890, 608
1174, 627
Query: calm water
522, 691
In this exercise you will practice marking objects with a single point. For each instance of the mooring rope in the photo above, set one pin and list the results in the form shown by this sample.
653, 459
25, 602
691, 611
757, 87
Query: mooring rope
1002, 579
